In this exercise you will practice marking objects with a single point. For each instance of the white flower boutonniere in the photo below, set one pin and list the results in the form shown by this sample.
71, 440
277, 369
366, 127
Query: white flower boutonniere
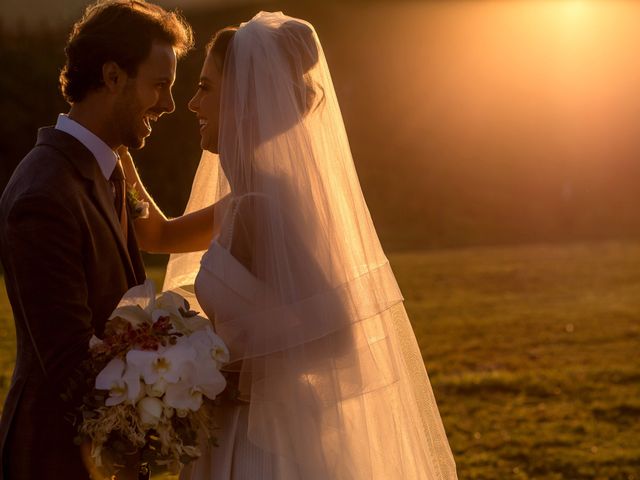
137, 208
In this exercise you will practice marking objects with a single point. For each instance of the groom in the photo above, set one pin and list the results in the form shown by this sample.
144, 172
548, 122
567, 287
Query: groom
67, 245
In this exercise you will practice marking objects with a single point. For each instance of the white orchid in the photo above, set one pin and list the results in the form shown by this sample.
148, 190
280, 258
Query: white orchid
209, 346
139, 306
150, 410
175, 306
198, 380
171, 302
183, 397
164, 364
122, 381
201, 376
136, 304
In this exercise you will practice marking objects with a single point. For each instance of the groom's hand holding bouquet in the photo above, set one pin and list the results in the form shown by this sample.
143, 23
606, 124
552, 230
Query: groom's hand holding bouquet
152, 380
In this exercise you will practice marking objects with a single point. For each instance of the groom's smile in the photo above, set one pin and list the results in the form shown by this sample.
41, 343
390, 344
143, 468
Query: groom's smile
150, 118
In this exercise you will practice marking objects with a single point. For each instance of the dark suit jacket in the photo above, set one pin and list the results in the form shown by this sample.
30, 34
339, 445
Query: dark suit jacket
66, 267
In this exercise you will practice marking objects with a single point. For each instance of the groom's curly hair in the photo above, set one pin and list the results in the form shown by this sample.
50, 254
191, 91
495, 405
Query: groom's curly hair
120, 31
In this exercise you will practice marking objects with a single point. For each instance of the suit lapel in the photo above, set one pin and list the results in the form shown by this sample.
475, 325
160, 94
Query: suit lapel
87, 166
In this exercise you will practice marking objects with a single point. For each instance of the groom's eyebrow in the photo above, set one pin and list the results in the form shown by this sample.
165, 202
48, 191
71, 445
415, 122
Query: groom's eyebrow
164, 79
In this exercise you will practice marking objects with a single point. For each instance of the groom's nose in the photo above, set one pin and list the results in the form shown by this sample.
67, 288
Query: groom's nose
166, 102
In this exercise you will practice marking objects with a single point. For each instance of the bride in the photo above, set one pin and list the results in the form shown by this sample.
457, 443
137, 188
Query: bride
330, 380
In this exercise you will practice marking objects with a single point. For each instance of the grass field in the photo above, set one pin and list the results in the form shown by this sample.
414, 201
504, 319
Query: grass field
533, 353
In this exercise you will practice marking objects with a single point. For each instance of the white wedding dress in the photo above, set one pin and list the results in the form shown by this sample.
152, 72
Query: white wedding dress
224, 288
230, 291
333, 382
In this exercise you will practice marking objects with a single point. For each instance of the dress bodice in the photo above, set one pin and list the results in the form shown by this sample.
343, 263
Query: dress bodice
224, 287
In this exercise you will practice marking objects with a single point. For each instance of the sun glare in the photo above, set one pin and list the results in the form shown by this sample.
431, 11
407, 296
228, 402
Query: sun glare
575, 9
564, 70
569, 18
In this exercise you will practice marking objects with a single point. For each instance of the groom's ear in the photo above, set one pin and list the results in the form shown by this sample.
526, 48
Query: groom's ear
113, 76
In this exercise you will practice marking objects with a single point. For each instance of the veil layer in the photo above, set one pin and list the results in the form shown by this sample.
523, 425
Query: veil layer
326, 353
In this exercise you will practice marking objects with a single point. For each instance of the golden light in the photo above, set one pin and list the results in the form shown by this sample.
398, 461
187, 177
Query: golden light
558, 77
575, 9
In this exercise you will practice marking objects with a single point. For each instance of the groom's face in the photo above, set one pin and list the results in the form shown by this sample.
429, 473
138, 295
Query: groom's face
146, 96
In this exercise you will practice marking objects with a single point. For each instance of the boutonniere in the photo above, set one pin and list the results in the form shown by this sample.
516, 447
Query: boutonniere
137, 208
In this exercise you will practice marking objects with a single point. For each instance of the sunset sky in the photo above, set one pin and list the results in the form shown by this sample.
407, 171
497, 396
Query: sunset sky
563, 74
502, 112
33, 12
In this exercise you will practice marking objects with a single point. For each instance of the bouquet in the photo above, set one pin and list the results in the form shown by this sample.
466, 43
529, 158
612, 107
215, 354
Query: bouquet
153, 378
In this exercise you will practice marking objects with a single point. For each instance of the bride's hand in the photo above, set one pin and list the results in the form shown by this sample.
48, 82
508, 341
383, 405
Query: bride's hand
130, 173
123, 151
157, 234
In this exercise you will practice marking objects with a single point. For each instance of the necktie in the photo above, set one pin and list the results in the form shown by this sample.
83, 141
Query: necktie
120, 197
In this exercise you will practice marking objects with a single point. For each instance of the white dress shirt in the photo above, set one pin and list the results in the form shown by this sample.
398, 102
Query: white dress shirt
105, 156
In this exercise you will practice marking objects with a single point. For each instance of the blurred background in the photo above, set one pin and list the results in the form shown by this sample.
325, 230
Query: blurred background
471, 123
498, 147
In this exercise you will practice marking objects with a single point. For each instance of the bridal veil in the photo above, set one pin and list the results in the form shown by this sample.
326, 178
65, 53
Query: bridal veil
336, 381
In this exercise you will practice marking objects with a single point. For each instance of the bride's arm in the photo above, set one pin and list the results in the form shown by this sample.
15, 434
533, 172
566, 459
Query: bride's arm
158, 234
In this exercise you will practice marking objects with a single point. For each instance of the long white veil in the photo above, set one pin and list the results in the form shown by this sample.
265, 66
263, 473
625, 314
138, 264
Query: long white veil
337, 383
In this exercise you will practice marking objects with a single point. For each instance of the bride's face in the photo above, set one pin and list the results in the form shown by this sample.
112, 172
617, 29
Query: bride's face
206, 105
